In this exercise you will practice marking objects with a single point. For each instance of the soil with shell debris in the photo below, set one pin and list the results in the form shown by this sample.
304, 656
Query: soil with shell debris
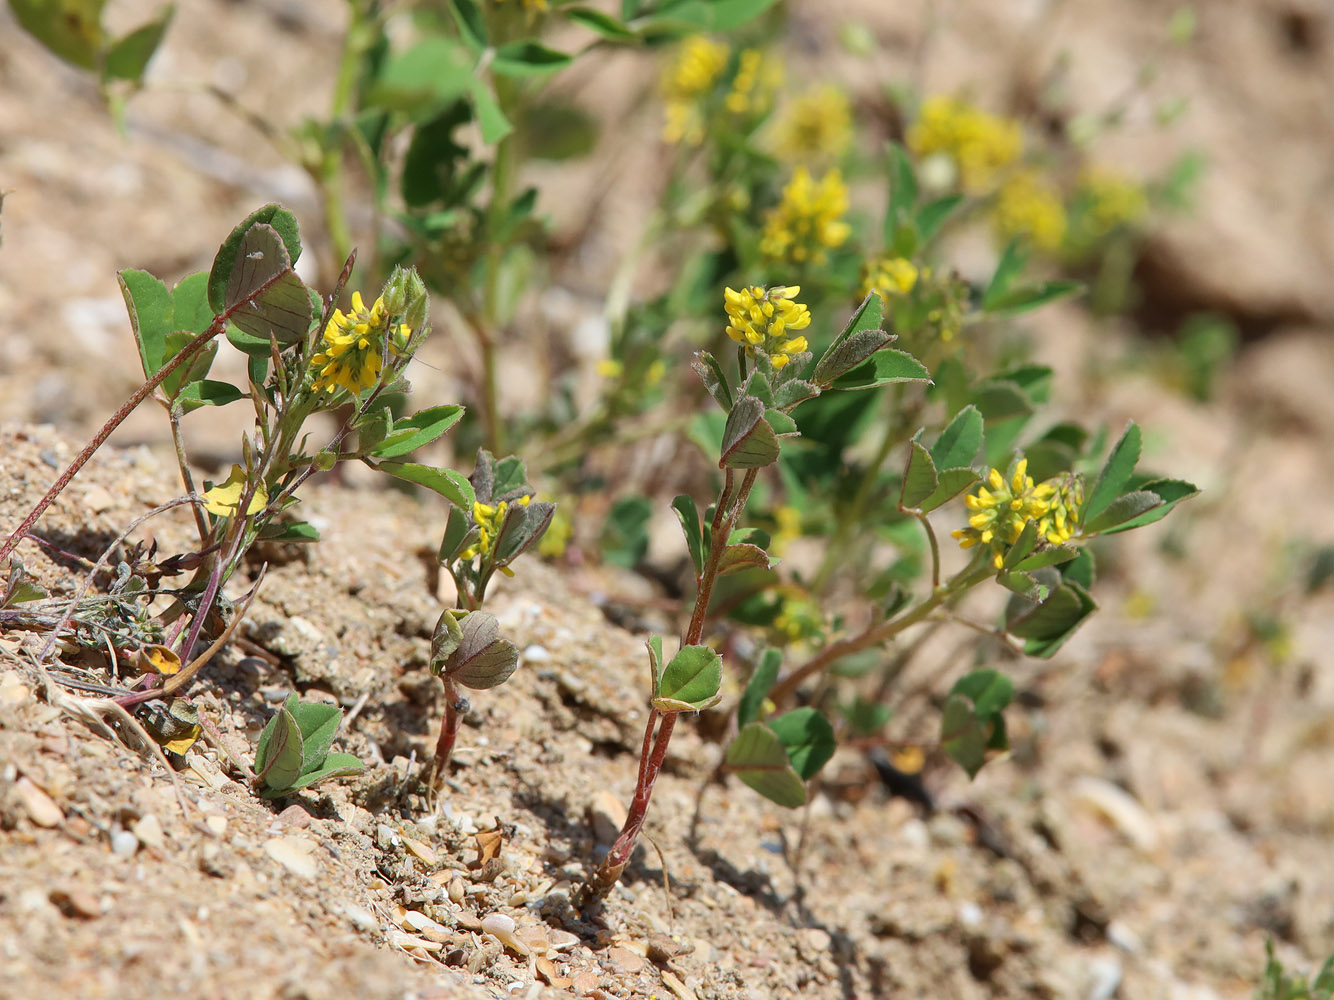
1167, 805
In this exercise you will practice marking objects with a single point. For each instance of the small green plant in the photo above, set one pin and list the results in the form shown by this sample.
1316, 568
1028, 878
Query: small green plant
293, 751
466, 647
1278, 984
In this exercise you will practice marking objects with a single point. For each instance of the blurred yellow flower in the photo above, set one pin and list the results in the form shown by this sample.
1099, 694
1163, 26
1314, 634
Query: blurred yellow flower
889, 276
757, 78
809, 219
979, 144
816, 126
690, 77
1029, 207
1109, 200
351, 354
762, 318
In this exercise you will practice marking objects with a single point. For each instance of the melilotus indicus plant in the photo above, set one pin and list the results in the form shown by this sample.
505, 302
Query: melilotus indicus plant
304, 357
1025, 535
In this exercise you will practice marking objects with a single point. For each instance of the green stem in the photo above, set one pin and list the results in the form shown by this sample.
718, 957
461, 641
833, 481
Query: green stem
874, 635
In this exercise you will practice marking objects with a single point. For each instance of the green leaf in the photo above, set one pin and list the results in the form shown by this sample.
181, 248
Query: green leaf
688, 514
1029, 297
472, 26
759, 759
490, 117
18, 588
278, 756
748, 440
1029, 587
1053, 555
959, 443
446, 638
1170, 491
847, 353
962, 735
1001, 399
1012, 260
191, 371
229, 254
527, 57
1115, 474
739, 558
336, 765
448, 483
919, 478
783, 425
902, 190
428, 75
71, 29
711, 15
1080, 569
690, 681
758, 687
624, 537
297, 531
790, 393
1046, 627
952, 483
807, 737
1022, 546
885, 367
604, 25
654, 646
483, 660
128, 56
208, 392
990, 690
870, 315
267, 296
711, 374
418, 430
934, 214
150, 307
757, 385
318, 723
1127, 507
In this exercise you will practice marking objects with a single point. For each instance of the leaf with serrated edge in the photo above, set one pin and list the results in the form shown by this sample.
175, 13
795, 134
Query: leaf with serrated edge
757, 757
1124, 508
417, 431
706, 367
886, 367
848, 354
960, 442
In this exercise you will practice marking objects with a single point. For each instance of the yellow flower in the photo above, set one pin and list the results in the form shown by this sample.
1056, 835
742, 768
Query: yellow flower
353, 345
1028, 206
809, 219
818, 126
979, 144
889, 276
762, 318
1059, 523
687, 81
531, 5
1001, 509
1110, 200
757, 77
223, 499
490, 518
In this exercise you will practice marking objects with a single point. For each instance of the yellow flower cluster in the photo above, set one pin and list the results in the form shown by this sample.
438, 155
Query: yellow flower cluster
762, 319
809, 219
1111, 200
1029, 207
757, 77
979, 144
351, 354
889, 276
690, 77
1001, 509
490, 518
817, 126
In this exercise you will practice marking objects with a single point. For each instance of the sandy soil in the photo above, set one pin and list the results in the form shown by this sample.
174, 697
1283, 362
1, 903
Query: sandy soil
1167, 804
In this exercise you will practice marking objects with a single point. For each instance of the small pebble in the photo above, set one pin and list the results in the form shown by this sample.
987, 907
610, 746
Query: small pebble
148, 830
501, 928
296, 854
123, 843
41, 808
536, 654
